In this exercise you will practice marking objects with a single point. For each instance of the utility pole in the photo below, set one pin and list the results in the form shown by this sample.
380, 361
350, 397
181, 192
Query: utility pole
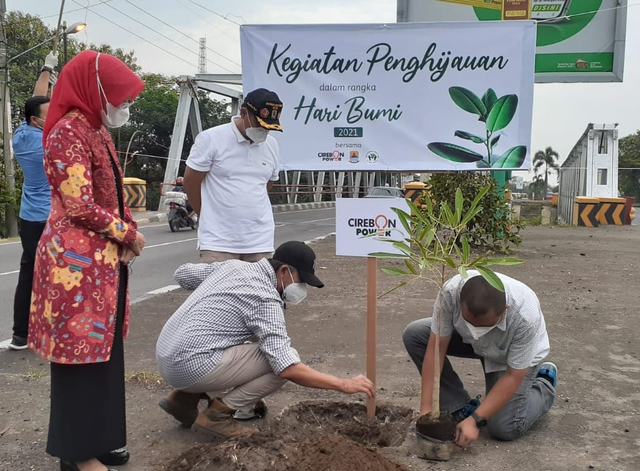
202, 56
9, 211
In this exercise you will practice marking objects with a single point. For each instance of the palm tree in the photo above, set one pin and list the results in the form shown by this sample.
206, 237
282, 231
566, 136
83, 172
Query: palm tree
535, 187
547, 158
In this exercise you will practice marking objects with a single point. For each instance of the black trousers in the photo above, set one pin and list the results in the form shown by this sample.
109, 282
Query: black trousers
88, 416
30, 233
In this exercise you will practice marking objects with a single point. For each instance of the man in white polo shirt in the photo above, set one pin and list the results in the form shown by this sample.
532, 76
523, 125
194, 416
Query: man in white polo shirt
507, 333
229, 172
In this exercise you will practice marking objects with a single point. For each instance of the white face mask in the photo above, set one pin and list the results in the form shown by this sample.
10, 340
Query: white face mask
257, 135
477, 332
295, 292
114, 117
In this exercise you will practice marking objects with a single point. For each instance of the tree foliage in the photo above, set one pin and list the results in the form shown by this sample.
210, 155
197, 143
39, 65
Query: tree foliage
629, 158
546, 158
493, 228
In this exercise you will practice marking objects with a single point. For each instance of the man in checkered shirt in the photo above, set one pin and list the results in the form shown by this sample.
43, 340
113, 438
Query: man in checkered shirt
507, 333
230, 334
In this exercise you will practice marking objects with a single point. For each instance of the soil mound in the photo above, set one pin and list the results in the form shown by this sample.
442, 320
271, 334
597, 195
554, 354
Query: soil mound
307, 419
310, 436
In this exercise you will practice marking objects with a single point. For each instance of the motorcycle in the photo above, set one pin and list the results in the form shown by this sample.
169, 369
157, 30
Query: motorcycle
178, 216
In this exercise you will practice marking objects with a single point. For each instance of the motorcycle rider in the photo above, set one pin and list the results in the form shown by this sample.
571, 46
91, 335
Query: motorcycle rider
180, 188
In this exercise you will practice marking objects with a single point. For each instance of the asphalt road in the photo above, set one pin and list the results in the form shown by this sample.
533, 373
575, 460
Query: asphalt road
165, 251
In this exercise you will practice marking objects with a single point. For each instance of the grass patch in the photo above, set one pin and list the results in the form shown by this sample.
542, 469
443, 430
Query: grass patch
34, 374
535, 221
144, 378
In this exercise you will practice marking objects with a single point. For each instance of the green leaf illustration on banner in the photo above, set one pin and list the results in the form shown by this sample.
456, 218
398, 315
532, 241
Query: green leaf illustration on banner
497, 113
513, 158
454, 153
468, 101
469, 137
502, 113
489, 99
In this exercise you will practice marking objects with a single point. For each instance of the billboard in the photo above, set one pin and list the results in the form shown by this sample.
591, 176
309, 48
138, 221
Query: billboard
577, 41
398, 97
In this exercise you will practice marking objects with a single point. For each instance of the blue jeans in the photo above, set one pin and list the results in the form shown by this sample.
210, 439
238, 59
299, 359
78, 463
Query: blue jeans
532, 400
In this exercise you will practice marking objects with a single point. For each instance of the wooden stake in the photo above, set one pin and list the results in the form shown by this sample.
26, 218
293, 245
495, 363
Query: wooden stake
372, 329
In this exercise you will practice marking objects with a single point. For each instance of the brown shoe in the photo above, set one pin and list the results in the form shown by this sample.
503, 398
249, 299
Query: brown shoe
217, 422
183, 406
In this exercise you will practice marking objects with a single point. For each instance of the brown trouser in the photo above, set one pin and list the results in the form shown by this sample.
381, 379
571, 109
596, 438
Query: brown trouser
210, 256
245, 370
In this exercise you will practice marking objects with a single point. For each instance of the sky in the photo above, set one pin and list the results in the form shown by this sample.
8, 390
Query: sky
561, 111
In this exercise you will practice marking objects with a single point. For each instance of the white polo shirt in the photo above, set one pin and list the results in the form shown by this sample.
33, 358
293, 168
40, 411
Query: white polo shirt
520, 340
236, 214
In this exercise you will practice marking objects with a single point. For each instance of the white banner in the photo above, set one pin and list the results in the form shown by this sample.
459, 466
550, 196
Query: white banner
363, 223
398, 97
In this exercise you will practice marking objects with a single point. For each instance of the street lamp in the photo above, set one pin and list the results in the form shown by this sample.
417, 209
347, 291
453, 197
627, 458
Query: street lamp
73, 29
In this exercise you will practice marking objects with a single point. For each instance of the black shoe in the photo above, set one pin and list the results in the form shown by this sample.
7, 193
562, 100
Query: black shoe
19, 343
115, 458
69, 466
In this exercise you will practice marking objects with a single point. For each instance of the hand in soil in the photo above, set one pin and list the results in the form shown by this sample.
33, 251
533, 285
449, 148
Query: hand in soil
359, 384
466, 432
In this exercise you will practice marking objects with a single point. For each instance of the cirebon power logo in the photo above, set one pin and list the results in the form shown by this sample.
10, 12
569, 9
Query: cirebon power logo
335, 156
380, 226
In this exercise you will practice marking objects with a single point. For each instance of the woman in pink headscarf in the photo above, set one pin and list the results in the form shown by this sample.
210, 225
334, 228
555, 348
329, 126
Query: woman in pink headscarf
80, 306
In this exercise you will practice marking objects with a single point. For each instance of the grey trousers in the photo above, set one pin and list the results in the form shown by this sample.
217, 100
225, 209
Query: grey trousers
532, 400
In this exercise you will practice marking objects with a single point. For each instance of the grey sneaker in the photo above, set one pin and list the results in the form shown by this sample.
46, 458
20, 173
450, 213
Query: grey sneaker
19, 343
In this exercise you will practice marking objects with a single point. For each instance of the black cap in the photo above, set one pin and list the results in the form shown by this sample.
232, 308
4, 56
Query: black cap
302, 258
266, 107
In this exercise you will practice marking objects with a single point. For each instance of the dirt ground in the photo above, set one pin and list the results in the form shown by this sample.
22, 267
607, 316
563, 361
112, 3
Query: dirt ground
588, 284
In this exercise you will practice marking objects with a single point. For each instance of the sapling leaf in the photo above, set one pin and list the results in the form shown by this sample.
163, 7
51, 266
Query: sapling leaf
482, 164
469, 137
454, 153
411, 268
463, 271
491, 278
402, 247
468, 101
387, 255
400, 285
394, 271
495, 140
502, 113
506, 261
459, 201
466, 248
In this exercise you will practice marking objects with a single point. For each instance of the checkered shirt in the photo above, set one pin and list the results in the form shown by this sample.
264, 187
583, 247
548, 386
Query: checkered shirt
233, 302
520, 340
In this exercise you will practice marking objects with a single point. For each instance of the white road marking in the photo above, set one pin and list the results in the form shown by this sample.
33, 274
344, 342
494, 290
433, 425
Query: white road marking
171, 243
2, 244
10, 272
316, 220
5, 345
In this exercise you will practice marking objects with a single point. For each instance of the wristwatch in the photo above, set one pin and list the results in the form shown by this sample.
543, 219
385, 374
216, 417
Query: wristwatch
480, 421
46, 69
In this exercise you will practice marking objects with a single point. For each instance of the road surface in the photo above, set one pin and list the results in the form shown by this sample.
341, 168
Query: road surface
165, 251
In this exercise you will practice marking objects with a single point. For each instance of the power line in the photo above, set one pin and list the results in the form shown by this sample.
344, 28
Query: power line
181, 32
103, 2
163, 35
215, 13
138, 36
207, 20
